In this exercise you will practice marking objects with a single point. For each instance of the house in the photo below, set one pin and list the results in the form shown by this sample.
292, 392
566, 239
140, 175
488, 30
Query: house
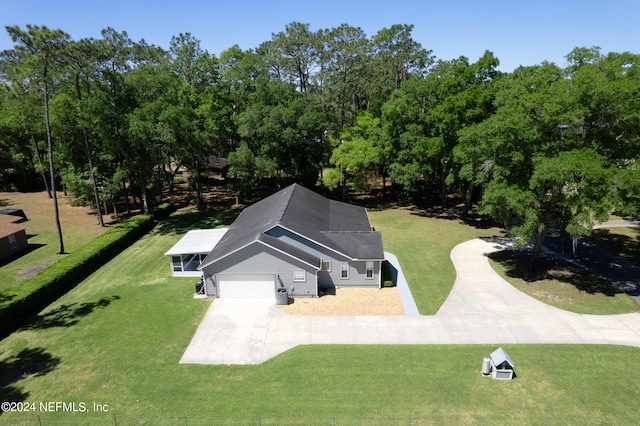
216, 167
296, 240
13, 236
186, 255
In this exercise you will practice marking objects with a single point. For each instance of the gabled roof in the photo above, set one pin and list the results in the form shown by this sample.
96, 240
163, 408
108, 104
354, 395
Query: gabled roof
217, 163
339, 226
499, 356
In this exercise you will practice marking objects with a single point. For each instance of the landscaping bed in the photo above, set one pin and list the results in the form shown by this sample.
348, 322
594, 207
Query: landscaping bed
349, 302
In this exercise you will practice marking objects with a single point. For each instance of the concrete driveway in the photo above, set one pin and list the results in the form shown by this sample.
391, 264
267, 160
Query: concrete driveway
481, 309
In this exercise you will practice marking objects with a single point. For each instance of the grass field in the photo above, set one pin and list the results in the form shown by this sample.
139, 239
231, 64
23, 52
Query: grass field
79, 226
562, 285
423, 246
116, 339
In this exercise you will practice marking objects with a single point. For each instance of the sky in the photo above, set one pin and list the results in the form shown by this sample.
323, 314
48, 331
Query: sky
517, 32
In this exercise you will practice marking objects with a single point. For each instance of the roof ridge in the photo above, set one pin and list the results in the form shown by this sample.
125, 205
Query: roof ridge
288, 201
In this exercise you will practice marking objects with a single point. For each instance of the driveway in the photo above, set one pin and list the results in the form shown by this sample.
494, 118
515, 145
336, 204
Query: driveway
481, 309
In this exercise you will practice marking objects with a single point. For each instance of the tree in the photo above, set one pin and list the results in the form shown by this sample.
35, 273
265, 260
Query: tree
22, 133
396, 57
357, 153
295, 54
248, 170
40, 51
348, 53
83, 56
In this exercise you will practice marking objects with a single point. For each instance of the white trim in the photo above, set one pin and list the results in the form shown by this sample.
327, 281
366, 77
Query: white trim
367, 269
201, 267
309, 239
343, 269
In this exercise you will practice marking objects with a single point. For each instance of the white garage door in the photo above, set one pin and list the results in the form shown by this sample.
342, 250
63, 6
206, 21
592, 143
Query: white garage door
247, 286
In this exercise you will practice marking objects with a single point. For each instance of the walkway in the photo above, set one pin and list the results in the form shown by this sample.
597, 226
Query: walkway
481, 309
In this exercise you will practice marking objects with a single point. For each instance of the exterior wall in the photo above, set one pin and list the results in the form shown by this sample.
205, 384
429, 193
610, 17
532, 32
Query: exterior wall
5, 245
333, 278
258, 259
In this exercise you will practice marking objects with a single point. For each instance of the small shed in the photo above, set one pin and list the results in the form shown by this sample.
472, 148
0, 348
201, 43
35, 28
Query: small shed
501, 365
187, 254
13, 236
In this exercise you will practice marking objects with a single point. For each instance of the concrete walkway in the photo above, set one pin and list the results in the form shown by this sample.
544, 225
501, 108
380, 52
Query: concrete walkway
481, 309
408, 303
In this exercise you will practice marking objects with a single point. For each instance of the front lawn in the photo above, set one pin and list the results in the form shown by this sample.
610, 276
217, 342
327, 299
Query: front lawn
117, 338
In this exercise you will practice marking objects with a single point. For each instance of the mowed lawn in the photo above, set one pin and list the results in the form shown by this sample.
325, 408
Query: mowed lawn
79, 226
117, 338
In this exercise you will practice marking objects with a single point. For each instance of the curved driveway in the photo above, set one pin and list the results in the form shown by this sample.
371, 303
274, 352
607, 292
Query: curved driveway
481, 309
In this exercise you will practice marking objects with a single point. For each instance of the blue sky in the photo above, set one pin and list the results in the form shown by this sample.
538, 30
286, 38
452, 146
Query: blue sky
517, 32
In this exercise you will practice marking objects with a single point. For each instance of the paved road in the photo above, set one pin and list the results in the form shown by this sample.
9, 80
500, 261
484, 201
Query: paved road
481, 309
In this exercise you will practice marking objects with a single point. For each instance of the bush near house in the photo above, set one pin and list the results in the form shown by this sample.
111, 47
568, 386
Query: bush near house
32, 295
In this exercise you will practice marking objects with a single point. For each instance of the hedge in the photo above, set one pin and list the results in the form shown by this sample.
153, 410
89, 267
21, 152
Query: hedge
162, 211
34, 294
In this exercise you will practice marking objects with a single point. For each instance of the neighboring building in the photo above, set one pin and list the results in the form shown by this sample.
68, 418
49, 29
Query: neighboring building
298, 240
13, 236
216, 167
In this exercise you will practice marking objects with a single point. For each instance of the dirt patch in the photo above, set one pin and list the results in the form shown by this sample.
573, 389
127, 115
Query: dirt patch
32, 271
350, 302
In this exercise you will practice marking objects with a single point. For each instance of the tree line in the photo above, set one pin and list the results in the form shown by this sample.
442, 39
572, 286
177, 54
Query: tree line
539, 148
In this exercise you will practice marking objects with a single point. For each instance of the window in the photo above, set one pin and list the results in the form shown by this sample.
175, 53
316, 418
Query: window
344, 272
325, 265
299, 276
176, 261
369, 273
12, 242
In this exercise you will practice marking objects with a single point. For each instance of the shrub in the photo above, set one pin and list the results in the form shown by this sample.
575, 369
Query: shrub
162, 211
387, 275
34, 294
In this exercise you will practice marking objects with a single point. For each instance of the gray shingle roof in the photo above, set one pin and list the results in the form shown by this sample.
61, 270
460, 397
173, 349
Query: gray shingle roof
339, 226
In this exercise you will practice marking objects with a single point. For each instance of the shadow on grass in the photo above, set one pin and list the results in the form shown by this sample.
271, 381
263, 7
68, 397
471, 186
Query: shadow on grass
28, 249
181, 222
29, 362
67, 315
455, 214
517, 264
625, 246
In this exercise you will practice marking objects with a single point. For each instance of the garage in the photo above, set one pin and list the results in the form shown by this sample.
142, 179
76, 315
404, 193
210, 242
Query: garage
247, 286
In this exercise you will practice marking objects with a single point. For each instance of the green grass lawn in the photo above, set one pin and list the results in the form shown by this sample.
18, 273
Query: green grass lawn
117, 338
561, 284
423, 246
79, 226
